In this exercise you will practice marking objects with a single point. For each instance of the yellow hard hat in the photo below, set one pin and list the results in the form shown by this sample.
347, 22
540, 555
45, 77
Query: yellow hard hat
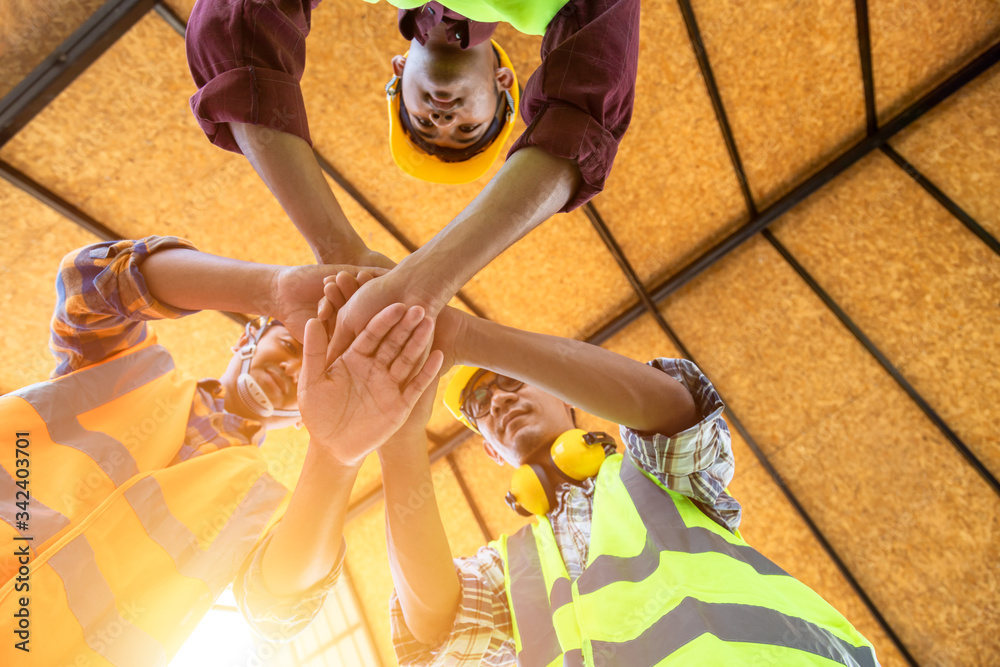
417, 162
453, 393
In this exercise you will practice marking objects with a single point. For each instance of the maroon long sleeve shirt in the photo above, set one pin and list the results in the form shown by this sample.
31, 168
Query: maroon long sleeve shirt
247, 58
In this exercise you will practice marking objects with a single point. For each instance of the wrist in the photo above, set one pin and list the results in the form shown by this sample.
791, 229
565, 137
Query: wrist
321, 459
422, 280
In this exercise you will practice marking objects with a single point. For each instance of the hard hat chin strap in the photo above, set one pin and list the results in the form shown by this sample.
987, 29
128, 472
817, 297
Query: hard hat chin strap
248, 389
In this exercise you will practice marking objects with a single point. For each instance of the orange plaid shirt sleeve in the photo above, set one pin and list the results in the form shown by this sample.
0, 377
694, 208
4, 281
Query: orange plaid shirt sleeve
103, 303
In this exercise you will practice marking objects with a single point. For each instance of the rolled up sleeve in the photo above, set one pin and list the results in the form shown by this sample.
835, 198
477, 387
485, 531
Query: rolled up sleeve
481, 634
697, 462
103, 302
247, 58
279, 618
579, 102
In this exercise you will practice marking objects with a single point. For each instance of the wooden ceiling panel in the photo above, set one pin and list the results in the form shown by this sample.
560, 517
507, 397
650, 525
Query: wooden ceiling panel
488, 484
674, 148
753, 326
33, 240
464, 534
32, 29
957, 147
111, 162
846, 439
887, 489
908, 261
789, 75
916, 45
181, 7
367, 564
771, 525
558, 280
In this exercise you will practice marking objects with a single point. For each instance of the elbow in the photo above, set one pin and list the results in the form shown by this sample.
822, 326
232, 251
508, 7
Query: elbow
431, 628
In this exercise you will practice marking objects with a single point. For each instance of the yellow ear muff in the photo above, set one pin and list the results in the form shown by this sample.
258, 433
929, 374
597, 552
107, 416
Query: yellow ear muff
576, 454
530, 491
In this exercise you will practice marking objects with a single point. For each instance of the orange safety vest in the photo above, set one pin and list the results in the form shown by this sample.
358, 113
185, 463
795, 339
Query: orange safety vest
112, 556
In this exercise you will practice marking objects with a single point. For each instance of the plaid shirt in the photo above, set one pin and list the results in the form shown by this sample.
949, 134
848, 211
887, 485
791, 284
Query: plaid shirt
697, 462
102, 309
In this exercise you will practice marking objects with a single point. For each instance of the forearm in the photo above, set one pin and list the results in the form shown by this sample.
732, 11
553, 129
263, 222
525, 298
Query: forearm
530, 187
288, 166
591, 378
306, 543
193, 280
419, 557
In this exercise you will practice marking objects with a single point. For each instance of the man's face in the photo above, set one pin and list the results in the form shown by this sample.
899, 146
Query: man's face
275, 366
451, 95
522, 424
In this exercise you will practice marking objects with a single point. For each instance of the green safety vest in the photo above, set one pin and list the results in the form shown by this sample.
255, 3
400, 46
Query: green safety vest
664, 585
527, 16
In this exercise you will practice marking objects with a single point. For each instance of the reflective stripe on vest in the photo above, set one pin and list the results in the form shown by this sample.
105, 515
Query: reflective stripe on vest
530, 601
59, 402
527, 17
140, 551
45, 521
694, 608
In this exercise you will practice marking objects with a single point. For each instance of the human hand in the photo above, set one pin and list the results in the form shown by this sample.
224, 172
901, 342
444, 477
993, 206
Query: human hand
364, 257
370, 299
354, 404
295, 291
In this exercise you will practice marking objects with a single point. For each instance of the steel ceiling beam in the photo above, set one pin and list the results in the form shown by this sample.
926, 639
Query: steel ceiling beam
38, 191
833, 169
651, 309
63, 65
867, 75
943, 199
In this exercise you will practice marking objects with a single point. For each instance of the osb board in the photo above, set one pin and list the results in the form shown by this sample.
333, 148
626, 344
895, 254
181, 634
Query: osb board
795, 376
918, 283
181, 7
33, 240
464, 534
348, 53
766, 342
32, 29
789, 75
673, 148
559, 279
956, 146
887, 489
138, 162
771, 525
916, 45
367, 563
488, 483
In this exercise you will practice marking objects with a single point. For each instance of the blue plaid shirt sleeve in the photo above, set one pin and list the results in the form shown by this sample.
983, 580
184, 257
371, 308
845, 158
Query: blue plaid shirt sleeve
482, 634
697, 462
103, 301
279, 618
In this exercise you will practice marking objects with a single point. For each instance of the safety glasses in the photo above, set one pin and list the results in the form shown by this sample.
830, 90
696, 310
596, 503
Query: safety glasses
476, 403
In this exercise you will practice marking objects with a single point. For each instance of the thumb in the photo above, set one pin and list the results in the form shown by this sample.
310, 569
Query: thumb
314, 344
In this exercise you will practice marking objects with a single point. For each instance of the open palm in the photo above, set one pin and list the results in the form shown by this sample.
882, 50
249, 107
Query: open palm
354, 404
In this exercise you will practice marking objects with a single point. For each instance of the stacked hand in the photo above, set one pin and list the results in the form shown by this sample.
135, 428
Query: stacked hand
295, 291
353, 402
